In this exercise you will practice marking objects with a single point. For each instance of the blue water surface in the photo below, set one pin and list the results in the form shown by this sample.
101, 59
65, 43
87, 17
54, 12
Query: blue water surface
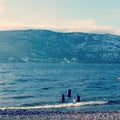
35, 84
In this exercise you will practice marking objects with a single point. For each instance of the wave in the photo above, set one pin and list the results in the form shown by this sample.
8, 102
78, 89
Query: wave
63, 105
114, 102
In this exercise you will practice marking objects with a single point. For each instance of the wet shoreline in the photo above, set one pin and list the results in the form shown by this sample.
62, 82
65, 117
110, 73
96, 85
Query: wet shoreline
38, 114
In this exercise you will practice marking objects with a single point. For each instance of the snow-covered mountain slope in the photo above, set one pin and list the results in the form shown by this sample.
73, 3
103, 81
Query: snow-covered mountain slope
48, 46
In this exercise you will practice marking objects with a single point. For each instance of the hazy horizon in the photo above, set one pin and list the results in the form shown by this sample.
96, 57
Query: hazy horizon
91, 16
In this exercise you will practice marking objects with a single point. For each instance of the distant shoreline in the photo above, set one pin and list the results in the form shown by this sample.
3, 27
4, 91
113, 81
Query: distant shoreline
38, 114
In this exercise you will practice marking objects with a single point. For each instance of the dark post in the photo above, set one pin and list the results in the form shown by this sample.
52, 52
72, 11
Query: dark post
78, 98
69, 93
63, 98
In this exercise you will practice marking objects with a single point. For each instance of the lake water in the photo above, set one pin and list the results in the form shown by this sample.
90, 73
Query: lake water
31, 85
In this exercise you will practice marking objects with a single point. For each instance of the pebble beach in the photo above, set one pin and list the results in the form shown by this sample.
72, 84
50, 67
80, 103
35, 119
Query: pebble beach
38, 114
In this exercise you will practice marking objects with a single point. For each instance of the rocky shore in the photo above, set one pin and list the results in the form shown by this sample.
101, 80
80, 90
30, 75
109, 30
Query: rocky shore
38, 114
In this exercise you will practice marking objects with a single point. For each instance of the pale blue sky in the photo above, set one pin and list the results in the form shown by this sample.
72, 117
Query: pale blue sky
61, 15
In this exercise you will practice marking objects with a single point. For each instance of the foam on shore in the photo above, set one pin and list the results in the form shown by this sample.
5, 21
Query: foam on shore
63, 105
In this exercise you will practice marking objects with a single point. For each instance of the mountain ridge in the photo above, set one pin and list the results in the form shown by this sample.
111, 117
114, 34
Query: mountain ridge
46, 46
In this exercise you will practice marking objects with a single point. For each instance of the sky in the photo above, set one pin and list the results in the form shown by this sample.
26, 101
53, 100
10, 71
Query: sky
96, 16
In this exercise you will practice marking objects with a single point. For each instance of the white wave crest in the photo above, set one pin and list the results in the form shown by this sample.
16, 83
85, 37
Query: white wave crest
60, 105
